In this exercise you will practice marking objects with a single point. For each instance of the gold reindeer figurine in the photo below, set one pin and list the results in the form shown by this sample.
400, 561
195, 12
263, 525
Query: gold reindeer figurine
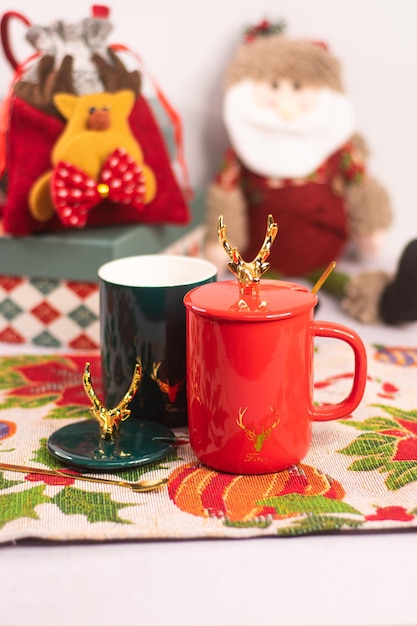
109, 420
248, 273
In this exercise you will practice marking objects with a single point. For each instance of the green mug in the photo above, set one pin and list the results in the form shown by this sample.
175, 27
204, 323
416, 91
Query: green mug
142, 317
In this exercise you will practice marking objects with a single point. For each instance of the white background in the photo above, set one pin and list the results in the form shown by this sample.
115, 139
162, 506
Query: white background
358, 580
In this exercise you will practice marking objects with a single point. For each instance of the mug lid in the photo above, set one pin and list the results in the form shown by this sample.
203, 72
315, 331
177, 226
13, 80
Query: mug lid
274, 299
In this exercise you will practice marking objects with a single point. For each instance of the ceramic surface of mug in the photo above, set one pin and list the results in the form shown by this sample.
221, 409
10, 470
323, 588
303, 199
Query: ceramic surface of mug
250, 365
142, 316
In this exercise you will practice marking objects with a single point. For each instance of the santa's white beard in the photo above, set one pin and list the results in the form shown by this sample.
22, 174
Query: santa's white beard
273, 147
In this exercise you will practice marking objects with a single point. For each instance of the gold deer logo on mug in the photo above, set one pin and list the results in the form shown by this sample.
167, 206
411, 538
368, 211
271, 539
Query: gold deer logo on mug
257, 438
171, 390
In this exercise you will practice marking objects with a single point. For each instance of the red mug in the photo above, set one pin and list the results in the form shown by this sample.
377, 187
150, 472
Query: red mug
250, 365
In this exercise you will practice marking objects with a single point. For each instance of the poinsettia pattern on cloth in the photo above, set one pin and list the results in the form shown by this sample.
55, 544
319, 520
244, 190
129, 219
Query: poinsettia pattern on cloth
359, 474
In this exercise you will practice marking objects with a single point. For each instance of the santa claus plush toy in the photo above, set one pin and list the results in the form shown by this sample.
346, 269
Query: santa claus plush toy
294, 154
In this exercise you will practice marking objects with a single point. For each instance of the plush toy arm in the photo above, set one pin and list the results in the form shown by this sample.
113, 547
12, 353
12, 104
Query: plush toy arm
40, 202
360, 146
368, 206
231, 204
369, 216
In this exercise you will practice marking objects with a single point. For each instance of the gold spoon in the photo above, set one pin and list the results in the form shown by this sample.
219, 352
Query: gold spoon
329, 269
143, 485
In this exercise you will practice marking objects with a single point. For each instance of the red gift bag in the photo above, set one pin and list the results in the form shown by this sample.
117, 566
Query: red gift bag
80, 145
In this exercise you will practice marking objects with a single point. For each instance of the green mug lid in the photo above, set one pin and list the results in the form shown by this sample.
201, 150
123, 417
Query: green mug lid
140, 442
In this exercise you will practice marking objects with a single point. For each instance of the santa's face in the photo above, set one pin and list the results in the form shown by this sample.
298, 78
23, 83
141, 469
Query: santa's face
283, 129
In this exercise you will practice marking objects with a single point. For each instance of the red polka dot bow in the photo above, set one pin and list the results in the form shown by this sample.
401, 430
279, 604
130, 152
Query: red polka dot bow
75, 193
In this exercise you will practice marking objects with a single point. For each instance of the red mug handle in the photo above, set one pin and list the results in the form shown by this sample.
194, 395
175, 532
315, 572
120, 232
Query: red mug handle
4, 34
349, 404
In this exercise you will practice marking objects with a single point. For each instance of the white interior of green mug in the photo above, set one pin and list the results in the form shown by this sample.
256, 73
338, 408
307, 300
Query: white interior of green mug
156, 270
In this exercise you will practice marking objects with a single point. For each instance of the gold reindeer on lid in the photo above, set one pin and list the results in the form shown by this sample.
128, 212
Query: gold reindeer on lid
248, 273
109, 420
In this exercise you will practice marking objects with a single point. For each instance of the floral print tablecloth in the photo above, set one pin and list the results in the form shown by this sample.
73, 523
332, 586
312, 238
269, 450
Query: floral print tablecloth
359, 475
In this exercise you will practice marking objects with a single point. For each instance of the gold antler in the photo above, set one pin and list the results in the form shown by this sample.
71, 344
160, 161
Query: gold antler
109, 419
250, 434
248, 273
